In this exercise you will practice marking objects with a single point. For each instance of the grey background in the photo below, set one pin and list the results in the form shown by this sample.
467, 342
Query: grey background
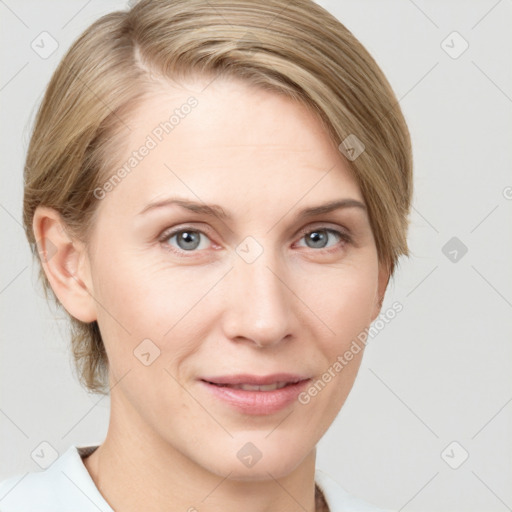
439, 372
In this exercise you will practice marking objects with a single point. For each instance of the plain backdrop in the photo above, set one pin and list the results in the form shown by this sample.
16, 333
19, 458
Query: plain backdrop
427, 425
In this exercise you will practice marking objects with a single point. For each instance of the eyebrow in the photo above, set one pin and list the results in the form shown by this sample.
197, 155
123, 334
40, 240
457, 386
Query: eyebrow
215, 210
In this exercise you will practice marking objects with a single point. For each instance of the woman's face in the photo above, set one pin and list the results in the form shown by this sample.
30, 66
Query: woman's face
183, 296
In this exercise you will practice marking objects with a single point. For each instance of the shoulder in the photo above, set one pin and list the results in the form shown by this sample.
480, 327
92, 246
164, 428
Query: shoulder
338, 499
65, 485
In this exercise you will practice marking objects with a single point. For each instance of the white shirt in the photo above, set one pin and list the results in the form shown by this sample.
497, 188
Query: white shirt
67, 486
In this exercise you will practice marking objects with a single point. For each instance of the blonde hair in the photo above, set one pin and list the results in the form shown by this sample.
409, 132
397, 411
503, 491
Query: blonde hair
294, 48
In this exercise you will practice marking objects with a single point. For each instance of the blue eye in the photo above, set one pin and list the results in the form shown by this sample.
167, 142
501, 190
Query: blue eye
319, 238
187, 239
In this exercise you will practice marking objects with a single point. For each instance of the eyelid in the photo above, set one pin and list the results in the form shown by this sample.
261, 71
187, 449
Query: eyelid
192, 226
327, 226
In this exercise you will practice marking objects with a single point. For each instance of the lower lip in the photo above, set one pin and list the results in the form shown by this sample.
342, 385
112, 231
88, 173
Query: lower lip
258, 402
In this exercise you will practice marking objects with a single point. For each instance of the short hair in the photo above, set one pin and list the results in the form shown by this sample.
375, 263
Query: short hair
293, 48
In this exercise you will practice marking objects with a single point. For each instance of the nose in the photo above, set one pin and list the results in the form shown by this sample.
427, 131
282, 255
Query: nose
258, 306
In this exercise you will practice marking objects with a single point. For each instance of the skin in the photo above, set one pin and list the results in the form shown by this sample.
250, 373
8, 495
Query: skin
296, 308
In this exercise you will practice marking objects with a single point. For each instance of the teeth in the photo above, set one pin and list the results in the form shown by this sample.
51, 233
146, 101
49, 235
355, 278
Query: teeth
266, 387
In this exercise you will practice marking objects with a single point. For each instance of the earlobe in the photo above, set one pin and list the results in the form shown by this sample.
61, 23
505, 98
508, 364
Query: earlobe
65, 263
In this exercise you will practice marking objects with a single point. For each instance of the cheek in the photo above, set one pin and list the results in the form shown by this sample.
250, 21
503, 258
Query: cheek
142, 299
345, 307
344, 297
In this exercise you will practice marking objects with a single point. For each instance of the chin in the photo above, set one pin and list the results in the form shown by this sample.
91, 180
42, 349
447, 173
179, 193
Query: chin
248, 463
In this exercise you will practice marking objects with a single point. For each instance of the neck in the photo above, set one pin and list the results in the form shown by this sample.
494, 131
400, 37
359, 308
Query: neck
134, 469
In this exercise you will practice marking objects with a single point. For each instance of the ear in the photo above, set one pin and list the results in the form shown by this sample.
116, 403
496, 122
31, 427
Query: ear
65, 263
383, 280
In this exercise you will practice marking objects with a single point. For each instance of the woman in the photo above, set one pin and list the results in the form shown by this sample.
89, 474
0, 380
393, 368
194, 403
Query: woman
219, 194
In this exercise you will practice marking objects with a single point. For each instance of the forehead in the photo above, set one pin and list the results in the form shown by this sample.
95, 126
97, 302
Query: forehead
224, 138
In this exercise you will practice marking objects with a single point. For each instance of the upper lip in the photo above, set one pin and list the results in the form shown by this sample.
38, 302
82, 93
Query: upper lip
256, 380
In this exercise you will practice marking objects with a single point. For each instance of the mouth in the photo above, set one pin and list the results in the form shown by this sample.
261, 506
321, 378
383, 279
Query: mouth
256, 395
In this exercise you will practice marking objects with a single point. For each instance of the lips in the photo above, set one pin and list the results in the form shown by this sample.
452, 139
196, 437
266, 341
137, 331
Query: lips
257, 395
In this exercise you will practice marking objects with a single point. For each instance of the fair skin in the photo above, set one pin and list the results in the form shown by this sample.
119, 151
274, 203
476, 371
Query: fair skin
296, 308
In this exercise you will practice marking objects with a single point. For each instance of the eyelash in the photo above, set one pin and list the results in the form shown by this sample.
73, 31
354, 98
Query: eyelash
168, 234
